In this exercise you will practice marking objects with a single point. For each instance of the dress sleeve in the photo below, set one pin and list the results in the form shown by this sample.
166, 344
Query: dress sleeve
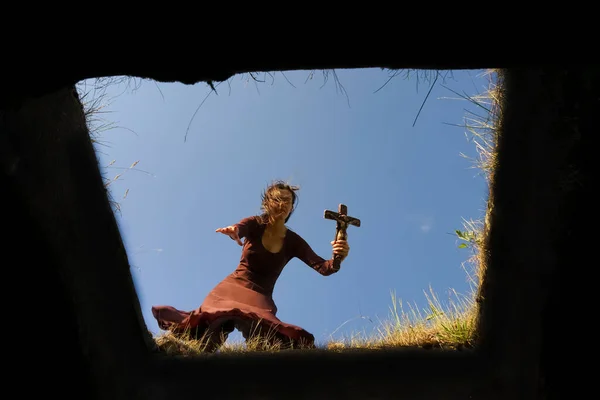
246, 227
305, 253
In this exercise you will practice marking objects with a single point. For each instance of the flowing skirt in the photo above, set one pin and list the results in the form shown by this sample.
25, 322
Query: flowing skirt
230, 305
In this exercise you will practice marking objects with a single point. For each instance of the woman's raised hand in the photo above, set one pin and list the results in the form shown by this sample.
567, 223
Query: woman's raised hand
340, 247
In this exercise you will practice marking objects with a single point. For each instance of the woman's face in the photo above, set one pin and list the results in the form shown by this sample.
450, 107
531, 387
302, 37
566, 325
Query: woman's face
284, 203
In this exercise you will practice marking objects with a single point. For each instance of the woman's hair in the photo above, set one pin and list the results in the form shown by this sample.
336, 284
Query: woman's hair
271, 197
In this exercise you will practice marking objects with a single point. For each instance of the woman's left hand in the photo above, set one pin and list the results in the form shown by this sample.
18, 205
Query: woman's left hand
340, 247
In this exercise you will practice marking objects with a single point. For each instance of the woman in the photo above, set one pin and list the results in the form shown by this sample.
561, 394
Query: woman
244, 299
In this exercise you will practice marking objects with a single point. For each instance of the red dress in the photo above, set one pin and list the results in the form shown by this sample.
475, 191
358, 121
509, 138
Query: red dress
244, 299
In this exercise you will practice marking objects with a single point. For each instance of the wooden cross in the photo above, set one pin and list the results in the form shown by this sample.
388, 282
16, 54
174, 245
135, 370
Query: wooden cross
343, 220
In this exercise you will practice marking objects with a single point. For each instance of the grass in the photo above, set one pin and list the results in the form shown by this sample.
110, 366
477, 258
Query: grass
178, 345
443, 325
94, 100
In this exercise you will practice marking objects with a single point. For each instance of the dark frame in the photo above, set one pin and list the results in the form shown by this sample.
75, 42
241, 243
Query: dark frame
67, 248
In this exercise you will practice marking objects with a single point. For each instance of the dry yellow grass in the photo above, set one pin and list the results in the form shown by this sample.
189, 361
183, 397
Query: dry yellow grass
184, 345
447, 325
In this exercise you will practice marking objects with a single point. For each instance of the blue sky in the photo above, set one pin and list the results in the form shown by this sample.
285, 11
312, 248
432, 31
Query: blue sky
410, 186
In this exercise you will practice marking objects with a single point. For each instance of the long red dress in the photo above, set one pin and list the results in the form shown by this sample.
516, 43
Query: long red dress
244, 299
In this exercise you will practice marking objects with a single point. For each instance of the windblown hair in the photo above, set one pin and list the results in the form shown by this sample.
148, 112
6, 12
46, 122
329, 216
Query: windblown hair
270, 199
